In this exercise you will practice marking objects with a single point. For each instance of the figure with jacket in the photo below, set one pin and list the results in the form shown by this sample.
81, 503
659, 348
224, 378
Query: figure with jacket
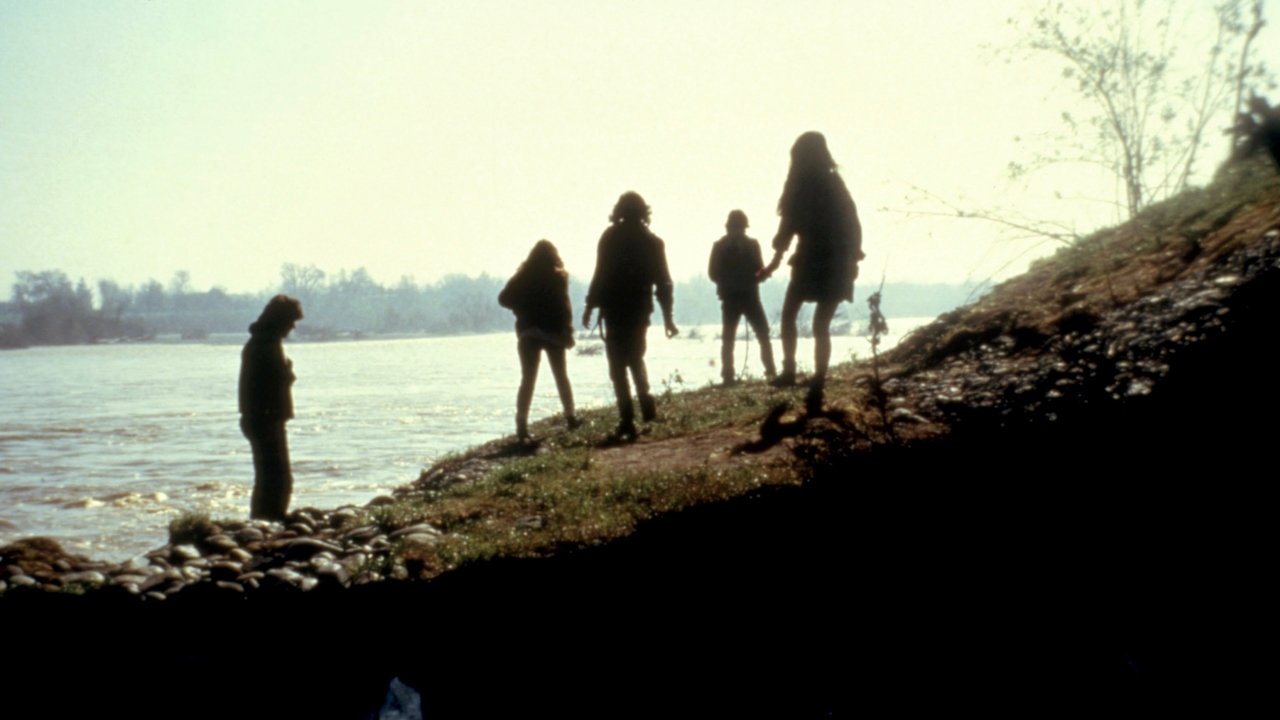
538, 294
266, 404
817, 208
735, 268
631, 268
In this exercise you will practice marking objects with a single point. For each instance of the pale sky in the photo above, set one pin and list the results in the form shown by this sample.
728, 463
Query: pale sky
425, 138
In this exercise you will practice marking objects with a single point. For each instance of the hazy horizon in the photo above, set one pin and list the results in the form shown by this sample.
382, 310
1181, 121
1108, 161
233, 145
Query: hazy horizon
416, 139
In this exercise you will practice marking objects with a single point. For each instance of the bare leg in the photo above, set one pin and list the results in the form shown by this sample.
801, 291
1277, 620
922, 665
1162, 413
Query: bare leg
555, 358
822, 316
530, 354
790, 311
821, 353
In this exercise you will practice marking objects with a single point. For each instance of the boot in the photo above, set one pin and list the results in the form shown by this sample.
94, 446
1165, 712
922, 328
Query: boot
813, 400
625, 432
786, 378
648, 408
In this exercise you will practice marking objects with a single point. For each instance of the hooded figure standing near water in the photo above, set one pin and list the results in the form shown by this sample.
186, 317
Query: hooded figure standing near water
539, 296
816, 206
266, 404
631, 267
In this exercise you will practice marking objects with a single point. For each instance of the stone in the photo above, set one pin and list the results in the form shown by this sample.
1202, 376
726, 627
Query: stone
225, 571
129, 579
247, 535
283, 576
220, 543
240, 555
304, 548
354, 561
420, 539
342, 515
91, 577
362, 534
333, 574
155, 595
418, 529
155, 581
230, 586
183, 553
320, 560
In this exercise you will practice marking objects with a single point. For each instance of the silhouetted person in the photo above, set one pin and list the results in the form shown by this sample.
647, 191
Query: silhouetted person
735, 268
816, 206
266, 404
539, 296
1257, 129
631, 267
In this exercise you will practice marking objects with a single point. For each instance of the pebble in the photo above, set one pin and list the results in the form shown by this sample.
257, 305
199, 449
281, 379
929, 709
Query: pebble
304, 548
129, 579
221, 543
423, 528
183, 553
90, 577
420, 539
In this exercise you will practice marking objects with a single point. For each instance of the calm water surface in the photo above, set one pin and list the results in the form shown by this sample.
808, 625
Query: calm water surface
100, 446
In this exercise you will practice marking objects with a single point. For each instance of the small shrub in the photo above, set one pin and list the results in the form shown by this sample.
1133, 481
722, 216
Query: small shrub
190, 527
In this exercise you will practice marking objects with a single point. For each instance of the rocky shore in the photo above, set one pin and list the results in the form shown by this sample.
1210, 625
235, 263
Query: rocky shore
312, 549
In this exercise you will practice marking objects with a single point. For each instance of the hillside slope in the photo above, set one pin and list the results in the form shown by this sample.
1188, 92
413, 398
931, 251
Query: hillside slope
1060, 487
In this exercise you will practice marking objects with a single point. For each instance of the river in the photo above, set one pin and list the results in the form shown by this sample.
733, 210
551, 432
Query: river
102, 445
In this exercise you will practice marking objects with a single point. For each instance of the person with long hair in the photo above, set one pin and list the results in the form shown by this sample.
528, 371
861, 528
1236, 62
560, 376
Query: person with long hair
631, 268
538, 294
266, 404
816, 207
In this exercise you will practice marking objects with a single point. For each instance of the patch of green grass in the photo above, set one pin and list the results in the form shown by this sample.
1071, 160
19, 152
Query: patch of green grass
190, 527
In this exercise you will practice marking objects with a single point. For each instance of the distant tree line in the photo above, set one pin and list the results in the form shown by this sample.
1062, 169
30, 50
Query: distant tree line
48, 308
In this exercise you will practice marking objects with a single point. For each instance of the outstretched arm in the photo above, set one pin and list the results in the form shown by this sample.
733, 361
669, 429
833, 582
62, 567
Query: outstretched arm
665, 290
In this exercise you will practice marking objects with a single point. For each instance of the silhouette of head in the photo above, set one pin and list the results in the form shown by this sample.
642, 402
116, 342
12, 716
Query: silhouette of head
811, 162
279, 315
737, 221
631, 208
810, 152
544, 256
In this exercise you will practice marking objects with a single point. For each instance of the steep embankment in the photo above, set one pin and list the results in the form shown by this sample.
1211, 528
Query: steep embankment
1062, 484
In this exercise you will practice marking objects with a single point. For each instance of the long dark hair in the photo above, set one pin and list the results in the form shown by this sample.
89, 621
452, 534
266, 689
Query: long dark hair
810, 161
543, 259
279, 314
